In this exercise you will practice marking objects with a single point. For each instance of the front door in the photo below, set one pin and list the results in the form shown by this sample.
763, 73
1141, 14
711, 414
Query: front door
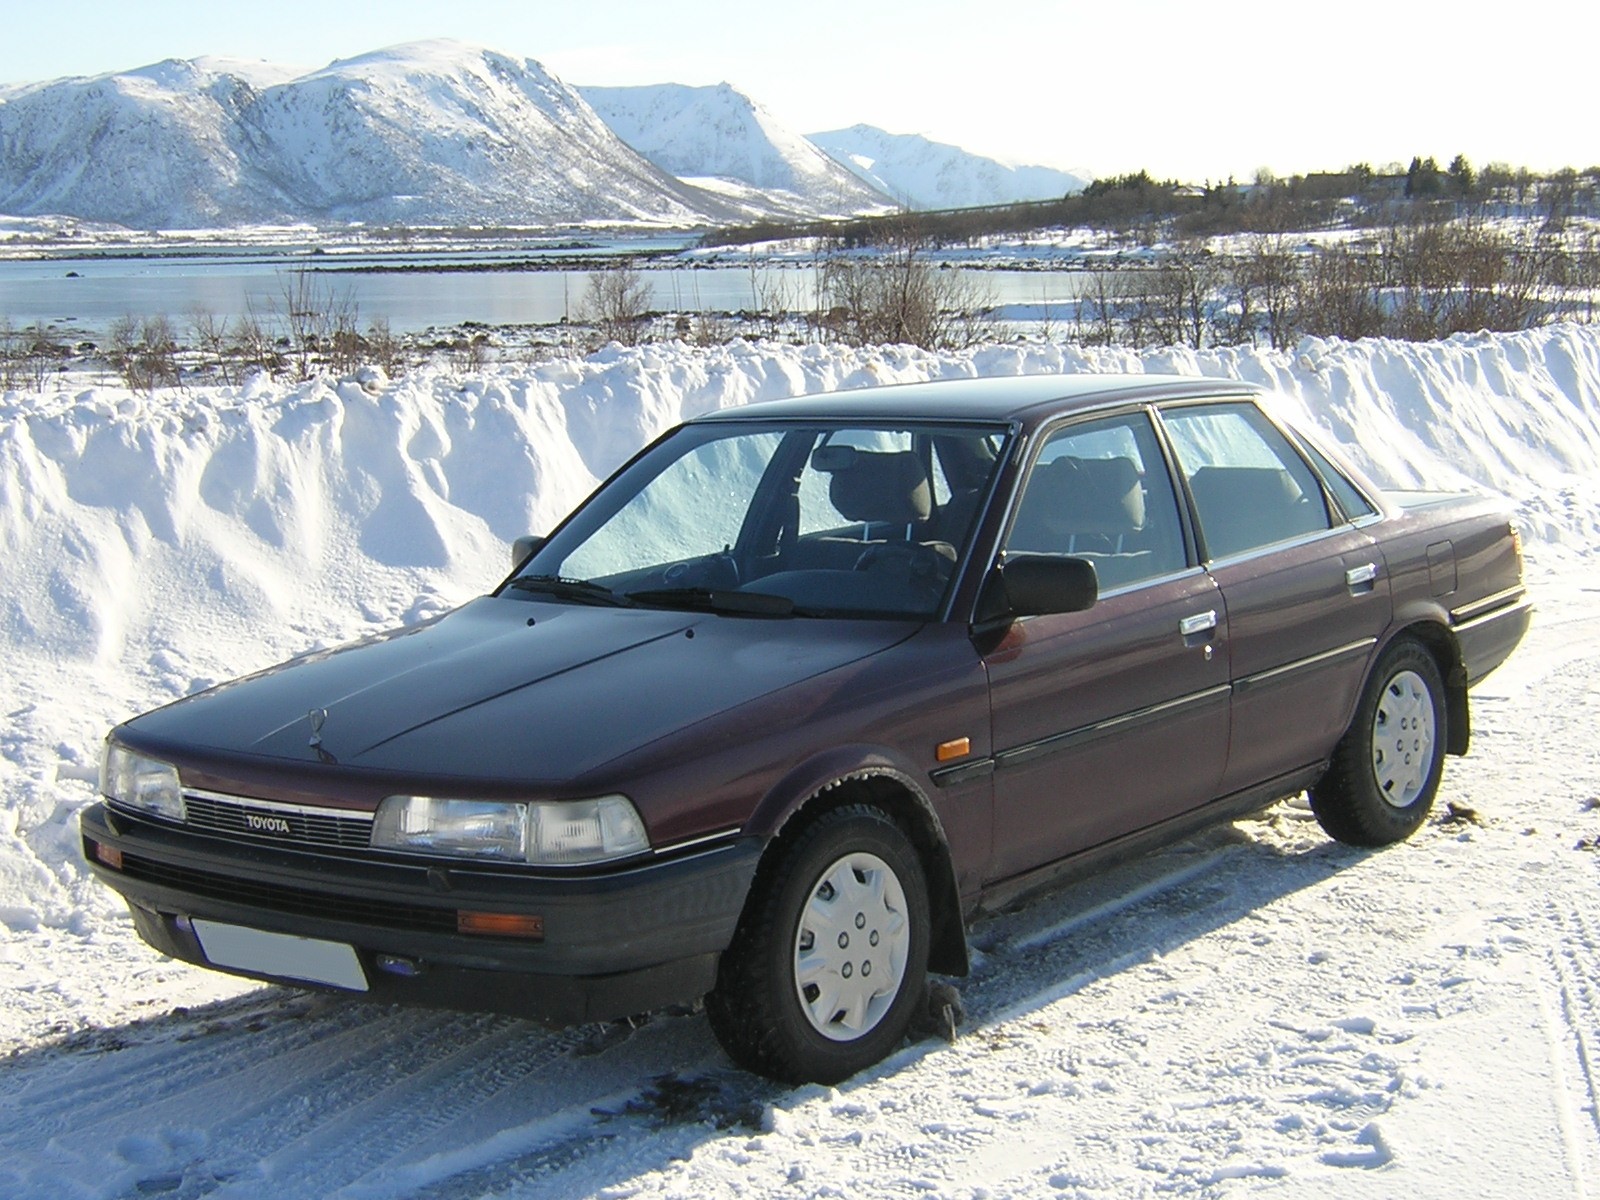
1113, 719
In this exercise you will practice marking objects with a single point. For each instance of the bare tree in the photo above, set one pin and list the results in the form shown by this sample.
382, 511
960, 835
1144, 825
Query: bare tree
253, 345
315, 318
27, 356
615, 303
384, 349
1338, 296
899, 296
212, 340
1173, 306
144, 352
1099, 314
770, 294
1264, 283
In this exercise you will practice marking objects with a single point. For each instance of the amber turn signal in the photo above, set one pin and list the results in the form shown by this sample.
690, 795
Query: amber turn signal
500, 924
955, 748
109, 855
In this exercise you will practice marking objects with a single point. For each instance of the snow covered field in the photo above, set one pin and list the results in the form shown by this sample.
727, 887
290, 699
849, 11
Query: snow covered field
1258, 1011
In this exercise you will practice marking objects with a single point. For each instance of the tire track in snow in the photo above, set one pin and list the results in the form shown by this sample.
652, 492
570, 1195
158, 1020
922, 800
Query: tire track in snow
360, 1123
260, 1103
580, 1121
1576, 1029
1049, 948
301, 1097
199, 1049
379, 1109
591, 1145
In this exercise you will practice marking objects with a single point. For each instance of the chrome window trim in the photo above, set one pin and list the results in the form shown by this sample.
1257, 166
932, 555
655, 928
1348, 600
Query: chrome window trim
1304, 539
1154, 581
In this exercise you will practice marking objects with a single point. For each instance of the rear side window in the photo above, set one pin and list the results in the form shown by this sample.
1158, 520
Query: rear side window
1354, 504
1250, 488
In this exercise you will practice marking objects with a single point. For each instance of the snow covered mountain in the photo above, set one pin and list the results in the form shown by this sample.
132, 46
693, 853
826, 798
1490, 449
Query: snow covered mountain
143, 147
923, 174
428, 132
718, 136
440, 132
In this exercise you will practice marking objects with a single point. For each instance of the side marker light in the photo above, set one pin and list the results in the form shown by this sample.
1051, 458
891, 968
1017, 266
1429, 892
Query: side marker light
109, 855
500, 925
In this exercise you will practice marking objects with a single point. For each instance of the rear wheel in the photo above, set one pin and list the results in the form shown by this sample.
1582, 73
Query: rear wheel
1384, 773
830, 958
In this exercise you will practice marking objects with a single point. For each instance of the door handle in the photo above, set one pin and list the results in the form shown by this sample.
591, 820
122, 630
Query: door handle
1360, 577
1198, 623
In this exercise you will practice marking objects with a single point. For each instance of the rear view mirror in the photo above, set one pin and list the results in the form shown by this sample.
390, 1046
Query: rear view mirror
1034, 585
524, 548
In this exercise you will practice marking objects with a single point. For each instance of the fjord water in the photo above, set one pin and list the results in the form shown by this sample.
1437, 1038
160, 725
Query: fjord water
415, 290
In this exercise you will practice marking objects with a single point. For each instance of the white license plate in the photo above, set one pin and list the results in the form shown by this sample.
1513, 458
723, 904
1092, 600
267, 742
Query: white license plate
281, 954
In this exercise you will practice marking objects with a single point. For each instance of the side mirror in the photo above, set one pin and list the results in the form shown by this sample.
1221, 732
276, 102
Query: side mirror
524, 548
1034, 585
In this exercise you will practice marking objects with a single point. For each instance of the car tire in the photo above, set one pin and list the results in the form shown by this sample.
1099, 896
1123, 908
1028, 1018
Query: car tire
1383, 775
829, 961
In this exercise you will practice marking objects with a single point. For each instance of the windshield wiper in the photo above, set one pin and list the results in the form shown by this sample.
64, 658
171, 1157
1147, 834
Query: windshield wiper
582, 590
757, 604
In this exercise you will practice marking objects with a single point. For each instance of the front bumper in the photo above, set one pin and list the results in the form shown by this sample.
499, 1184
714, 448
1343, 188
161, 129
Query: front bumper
614, 943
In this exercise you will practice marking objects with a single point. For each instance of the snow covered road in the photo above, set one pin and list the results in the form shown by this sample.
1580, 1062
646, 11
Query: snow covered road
1259, 1011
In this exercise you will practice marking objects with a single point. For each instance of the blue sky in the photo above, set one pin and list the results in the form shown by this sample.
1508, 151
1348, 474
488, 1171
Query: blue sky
1189, 89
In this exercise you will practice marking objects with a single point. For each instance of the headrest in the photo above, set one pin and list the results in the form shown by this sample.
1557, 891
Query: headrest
1112, 500
876, 485
1074, 496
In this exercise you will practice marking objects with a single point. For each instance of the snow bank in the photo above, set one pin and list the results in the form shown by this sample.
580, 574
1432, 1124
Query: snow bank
152, 545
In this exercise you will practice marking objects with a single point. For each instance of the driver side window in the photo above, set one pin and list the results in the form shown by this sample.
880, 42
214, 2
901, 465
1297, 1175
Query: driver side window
1100, 490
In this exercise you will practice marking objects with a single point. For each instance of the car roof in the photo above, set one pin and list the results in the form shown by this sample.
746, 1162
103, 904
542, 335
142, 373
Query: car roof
984, 398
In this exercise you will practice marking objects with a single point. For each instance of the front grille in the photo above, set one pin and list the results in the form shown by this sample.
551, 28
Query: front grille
277, 824
289, 899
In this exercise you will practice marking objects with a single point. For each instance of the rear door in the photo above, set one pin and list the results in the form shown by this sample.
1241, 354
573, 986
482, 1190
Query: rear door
1304, 588
1113, 719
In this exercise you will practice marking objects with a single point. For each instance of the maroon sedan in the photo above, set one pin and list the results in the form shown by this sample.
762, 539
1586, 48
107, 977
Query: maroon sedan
806, 686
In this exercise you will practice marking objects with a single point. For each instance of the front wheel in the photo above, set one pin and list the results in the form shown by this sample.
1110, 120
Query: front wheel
1384, 773
830, 958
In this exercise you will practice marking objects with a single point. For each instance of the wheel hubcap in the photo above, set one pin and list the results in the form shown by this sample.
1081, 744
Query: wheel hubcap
851, 946
1402, 739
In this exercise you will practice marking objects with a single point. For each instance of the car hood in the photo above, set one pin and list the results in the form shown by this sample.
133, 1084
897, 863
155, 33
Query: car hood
521, 692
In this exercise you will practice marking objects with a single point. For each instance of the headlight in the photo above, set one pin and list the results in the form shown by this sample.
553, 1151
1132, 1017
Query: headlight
566, 833
138, 782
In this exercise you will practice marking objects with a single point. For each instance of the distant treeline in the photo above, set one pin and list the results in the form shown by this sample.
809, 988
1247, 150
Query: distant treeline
1139, 204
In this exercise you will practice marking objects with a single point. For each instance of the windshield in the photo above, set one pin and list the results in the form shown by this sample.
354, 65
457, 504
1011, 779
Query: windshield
819, 519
